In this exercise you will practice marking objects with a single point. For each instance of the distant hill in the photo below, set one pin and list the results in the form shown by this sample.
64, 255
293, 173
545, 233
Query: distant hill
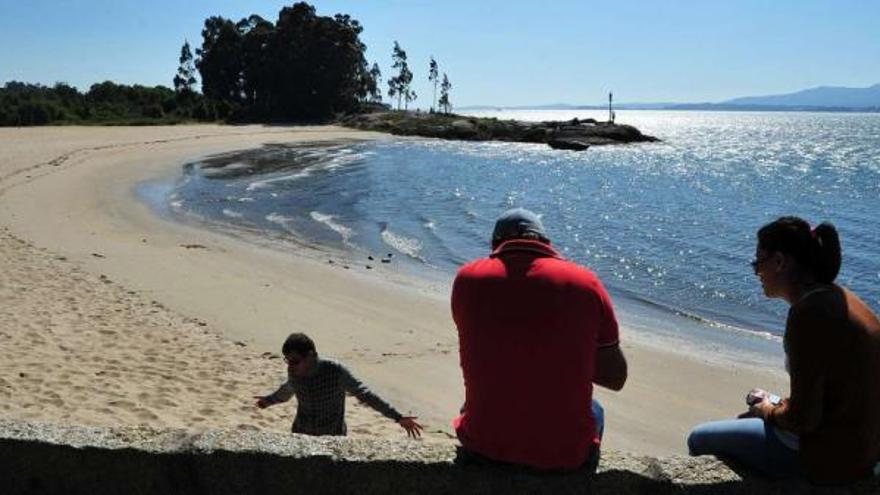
568, 106
823, 96
821, 99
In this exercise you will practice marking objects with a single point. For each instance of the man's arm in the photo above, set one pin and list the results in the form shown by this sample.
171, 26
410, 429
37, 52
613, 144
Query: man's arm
611, 368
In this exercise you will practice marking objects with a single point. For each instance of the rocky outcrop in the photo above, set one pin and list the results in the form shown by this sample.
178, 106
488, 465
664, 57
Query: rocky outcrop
48, 459
572, 135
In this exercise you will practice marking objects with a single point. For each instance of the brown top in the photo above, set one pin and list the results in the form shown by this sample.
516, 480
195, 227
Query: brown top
832, 341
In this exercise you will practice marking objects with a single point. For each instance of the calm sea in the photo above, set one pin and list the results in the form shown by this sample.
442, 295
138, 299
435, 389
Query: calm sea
669, 227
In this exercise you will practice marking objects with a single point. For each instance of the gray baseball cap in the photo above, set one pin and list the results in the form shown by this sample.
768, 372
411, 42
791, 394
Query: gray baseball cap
514, 223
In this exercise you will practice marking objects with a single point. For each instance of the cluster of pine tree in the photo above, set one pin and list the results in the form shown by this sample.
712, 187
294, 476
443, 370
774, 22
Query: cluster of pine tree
304, 67
399, 85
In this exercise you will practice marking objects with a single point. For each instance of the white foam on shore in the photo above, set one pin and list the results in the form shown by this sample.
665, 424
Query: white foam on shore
279, 219
344, 158
341, 160
329, 221
232, 213
408, 246
236, 166
262, 184
218, 171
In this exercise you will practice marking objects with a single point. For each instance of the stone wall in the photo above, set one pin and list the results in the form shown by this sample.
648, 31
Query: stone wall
39, 458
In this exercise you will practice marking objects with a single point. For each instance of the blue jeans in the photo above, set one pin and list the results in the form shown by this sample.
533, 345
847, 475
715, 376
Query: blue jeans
599, 421
749, 442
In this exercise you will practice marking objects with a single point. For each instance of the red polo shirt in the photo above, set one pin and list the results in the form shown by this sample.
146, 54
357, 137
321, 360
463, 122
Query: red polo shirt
529, 324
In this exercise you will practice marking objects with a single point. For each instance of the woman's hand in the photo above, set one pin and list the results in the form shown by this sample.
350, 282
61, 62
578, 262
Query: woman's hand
262, 401
412, 427
761, 409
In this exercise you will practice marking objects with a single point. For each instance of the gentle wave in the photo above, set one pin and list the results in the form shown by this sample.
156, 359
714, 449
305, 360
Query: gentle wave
262, 184
327, 163
279, 219
329, 221
406, 245
708, 322
224, 169
232, 213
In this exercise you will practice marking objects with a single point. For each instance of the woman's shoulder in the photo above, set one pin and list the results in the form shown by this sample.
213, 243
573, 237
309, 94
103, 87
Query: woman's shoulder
860, 313
833, 304
821, 302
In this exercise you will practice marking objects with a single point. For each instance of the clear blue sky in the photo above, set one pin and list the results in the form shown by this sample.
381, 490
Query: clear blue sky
495, 52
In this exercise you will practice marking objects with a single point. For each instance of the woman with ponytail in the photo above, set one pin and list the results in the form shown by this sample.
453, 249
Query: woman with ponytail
828, 429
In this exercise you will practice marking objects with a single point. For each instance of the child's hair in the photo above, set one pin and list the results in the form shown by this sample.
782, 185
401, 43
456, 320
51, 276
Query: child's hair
298, 343
815, 250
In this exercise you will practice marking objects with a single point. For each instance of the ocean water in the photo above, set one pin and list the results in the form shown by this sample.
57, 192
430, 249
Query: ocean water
669, 227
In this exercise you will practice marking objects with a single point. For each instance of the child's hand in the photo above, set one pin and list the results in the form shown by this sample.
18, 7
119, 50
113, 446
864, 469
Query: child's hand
262, 401
413, 428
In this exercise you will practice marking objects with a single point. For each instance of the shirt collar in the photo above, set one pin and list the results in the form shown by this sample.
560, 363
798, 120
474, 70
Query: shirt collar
525, 245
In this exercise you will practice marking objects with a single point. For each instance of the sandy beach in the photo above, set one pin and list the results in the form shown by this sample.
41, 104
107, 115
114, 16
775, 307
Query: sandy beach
114, 315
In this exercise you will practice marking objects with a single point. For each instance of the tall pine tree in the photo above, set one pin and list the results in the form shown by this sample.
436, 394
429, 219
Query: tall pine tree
185, 80
376, 78
432, 77
399, 85
445, 104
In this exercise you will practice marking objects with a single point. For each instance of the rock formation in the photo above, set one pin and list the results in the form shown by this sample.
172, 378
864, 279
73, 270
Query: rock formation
571, 135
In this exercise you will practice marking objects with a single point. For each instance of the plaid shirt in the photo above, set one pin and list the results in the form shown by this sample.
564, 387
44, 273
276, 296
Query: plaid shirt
321, 398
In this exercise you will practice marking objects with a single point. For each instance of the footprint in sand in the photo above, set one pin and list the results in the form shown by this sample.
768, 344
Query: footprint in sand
164, 402
145, 415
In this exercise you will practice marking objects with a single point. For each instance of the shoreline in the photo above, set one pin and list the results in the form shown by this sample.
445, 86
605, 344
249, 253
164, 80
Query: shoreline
653, 324
398, 338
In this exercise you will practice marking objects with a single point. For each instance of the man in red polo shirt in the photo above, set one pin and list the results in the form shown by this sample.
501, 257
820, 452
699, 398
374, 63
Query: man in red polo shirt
535, 333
